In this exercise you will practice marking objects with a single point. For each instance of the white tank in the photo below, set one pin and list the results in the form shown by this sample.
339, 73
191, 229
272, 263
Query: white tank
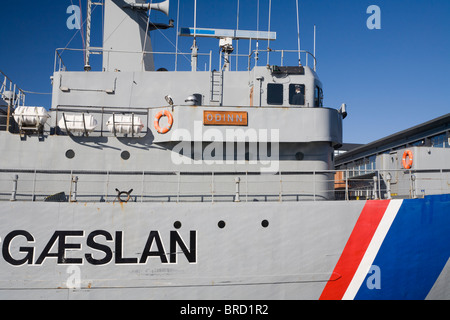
125, 124
75, 123
30, 116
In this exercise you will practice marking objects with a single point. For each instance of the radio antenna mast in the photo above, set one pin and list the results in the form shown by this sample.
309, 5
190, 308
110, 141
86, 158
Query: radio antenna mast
87, 66
194, 45
268, 41
257, 35
315, 47
237, 40
176, 42
298, 36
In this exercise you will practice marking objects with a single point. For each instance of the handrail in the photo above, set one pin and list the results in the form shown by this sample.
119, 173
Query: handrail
60, 66
6, 84
102, 51
215, 186
282, 56
11, 94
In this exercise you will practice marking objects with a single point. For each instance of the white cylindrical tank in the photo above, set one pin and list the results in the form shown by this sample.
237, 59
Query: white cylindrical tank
30, 116
75, 123
125, 124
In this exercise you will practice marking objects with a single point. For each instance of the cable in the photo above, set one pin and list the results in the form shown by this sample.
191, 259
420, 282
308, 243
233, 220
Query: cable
146, 35
31, 92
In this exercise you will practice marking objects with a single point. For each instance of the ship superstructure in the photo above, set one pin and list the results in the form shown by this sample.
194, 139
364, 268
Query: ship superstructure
265, 119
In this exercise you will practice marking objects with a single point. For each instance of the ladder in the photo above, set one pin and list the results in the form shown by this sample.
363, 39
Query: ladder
216, 87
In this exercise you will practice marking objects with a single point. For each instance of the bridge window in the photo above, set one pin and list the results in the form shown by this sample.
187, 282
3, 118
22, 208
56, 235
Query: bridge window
275, 93
318, 97
297, 94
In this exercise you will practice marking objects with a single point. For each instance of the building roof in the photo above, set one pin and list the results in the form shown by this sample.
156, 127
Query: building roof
424, 130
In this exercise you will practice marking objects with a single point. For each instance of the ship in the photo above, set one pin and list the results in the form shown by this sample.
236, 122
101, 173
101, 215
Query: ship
141, 182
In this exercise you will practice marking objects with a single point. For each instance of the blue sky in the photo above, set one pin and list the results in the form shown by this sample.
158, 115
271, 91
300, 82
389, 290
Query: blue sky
390, 79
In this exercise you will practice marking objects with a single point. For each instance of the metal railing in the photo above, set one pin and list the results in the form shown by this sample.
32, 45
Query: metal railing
10, 92
11, 97
147, 186
60, 66
307, 55
252, 57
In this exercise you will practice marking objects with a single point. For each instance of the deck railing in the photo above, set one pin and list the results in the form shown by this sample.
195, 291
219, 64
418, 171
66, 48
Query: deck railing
146, 186
11, 97
205, 60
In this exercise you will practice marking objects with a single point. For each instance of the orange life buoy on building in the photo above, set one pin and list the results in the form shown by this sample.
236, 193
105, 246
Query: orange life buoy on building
158, 117
407, 164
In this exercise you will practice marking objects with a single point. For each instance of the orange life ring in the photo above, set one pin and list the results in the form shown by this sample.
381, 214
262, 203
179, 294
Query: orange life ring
407, 155
158, 117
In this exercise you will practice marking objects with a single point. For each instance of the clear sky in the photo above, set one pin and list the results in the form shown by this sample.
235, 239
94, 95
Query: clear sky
390, 78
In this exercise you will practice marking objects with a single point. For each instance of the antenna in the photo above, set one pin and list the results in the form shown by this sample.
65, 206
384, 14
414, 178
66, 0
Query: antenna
87, 54
194, 47
268, 41
314, 48
237, 40
298, 35
257, 37
87, 66
195, 18
176, 43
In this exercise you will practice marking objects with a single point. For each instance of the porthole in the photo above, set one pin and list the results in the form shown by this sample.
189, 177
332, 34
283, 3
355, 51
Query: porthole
70, 154
125, 155
299, 156
221, 224
177, 225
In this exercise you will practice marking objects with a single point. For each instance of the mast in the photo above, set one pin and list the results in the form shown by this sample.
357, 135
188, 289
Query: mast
314, 47
87, 66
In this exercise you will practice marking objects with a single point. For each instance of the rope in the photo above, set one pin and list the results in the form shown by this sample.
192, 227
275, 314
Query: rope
146, 34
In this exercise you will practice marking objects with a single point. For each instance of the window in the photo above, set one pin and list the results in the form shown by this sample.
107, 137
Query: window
439, 141
372, 162
297, 94
318, 97
275, 93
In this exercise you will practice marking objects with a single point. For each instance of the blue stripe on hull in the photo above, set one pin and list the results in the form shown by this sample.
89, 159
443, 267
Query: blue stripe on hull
413, 253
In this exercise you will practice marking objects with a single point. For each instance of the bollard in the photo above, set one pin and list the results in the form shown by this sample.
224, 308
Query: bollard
73, 197
14, 192
388, 186
375, 185
236, 198
413, 186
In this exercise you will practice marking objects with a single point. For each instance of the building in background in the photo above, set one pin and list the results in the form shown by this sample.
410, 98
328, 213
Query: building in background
411, 163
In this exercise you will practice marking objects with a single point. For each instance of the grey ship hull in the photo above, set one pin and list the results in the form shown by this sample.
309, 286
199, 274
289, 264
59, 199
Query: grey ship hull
174, 251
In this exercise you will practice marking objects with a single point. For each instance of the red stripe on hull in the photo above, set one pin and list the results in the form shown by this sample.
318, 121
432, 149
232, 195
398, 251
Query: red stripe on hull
355, 249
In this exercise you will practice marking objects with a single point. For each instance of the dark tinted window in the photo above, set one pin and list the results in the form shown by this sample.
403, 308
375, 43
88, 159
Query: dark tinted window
318, 97
275, 93
297, 94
